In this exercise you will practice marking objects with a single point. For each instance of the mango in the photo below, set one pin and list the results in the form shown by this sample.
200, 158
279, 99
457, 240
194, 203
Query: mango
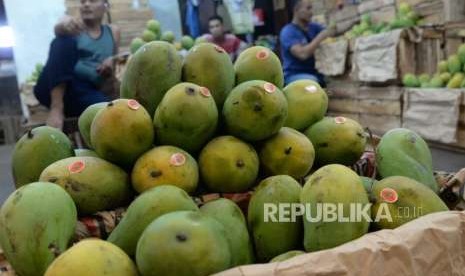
263, 218
340, 186
259, 63
149, 36
136, 44
402, 152
286, 256
85, 152
443, 67
37, 222
230, 216
183, 243
410, 80
168, 36
436, 82
150, 72
93, 183
92, 257
289, 153
187, 42
37, 149
461, 53
85, 121
165, 165
445, 77
255, 110
404, 200
424, 78
210, 66
454, 65
228, 165
307, 104
186, 117
146, 208
337, 140
153, 25
456, 81
121, 132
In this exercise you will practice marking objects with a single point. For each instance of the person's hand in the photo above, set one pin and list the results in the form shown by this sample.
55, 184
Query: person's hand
331, 29
69, 25
106, 68
55, 119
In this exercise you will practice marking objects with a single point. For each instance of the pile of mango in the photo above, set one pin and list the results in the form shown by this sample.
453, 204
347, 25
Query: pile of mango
450, 73
196, 126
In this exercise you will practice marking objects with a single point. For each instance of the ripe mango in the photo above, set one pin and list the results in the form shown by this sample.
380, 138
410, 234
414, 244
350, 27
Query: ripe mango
456, 81
85, 121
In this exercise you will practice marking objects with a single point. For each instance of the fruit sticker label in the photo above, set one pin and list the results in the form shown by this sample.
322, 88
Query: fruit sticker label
77, 167
340, 120
263, 54
177, 159
389, 195
311, 89
219, 49
269, 88
133, 104
205, 92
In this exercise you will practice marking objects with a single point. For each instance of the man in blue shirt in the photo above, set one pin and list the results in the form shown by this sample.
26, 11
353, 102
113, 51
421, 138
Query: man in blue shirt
299, 40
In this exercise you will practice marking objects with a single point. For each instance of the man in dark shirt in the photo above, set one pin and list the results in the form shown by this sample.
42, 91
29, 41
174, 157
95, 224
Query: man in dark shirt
299, 40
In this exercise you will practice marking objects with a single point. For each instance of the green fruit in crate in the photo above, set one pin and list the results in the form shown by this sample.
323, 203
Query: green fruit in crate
154, 26
402, 152
424, 78
183, 243
149, 36
402, 22
307, 104
259, 63
85, 152
338, 185
121, 132
337, 140
168, 36
436, 82
443, 66
136, 44
93, 183
37, 149
165, 165
231, 217
150, 73
255, 110
461, 53
266, 231
85, 121
456, 81
364, 26
210, 66
146, 208
286, 256
454, 64
187, 42
186, 117
445, 77
93, 257
37, 222
404, 200
238, 161
404, 8
289, 152
426, 85
410, 80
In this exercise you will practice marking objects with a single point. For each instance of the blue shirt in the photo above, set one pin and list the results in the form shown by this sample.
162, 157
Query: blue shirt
292, 35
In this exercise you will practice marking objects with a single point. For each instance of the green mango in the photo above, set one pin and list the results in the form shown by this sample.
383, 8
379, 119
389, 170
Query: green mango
456, 81
37, 222
85, 121
461, 53
410, 80
402, 152
454, 64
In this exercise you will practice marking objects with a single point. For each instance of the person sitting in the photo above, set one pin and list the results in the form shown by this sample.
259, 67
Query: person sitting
229, 42
79, 63
299, 40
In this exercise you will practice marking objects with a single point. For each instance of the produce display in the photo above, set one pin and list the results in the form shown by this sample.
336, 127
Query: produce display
188, 128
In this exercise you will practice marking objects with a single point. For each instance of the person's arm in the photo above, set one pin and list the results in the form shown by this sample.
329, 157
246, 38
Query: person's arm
69, 25
304, 52
56, 114
116, 31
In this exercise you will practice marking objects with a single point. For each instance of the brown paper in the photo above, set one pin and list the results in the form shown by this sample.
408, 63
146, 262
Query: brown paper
433, 245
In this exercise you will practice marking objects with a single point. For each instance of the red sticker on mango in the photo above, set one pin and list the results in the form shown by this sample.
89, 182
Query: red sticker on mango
133, 104
205, 92
389, 195
340, 120
263, 54
77, 167
177, 159
269, 87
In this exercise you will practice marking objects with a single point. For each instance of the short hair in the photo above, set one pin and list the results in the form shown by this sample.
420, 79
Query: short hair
296, 4
216, 17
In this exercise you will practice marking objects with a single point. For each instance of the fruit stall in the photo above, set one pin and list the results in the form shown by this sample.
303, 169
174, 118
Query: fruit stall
207, 166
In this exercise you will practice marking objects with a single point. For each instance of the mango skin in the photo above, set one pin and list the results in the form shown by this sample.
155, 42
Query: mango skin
37, 149
249, 67
146, 208
151, 71
120, 134
93, 257
274, 190
238, 161
253, 114
186, 118
210, 66
85, 152
286, 256
307, 104
85, 121
154, 168
402, 152
414, 200
287, 153
231, 217
99, 186
183, 243
36, 221
333, 184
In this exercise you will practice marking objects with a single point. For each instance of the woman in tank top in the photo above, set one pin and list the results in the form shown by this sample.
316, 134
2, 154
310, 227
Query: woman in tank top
79, 63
